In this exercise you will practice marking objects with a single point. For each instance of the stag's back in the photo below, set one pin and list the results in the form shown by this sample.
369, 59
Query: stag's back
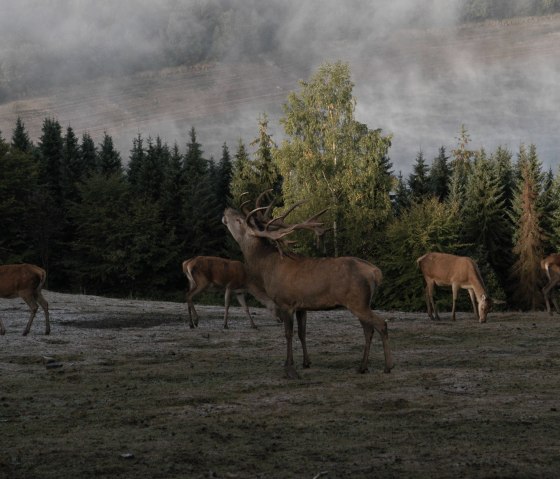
20, 277
446, 269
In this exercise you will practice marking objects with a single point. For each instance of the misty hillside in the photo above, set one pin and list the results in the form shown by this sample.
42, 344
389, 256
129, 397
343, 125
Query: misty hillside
417, 79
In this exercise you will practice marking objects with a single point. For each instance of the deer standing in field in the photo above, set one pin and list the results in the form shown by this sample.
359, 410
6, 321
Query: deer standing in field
444, 269
297, 284
551, 266
24, 281
205, 272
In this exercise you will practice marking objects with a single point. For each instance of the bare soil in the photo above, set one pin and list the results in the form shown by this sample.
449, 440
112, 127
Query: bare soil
125, 389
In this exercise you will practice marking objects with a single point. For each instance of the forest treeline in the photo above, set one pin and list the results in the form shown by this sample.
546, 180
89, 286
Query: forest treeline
103, 225
103, 39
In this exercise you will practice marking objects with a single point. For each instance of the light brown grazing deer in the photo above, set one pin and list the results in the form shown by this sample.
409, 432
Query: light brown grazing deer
551, 266
204, 272
444, 269
298, 284
24, 281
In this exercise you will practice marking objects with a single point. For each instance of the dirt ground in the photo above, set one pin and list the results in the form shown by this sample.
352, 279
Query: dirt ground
124, 389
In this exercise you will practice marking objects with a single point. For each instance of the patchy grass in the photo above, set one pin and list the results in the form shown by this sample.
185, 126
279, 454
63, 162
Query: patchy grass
141, 395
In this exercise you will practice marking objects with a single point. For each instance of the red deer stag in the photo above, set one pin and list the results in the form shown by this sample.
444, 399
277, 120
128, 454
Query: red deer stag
205, 272
444, 269
551, 267
24, 281
297, 284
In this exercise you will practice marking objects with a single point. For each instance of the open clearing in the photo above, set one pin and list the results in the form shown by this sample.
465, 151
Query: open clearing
138, 394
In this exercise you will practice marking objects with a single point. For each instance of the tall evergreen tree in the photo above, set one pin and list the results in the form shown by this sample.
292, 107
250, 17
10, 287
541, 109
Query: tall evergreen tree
224, 176
71, 166
402, 197
419, 181
18, 181
51, 152
136, 160
88, 154
108, 159
201, 209
440, 175
266, 175
242, 176
528, 235
20, 137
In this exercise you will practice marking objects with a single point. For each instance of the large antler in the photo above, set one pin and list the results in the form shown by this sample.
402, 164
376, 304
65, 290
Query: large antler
276, 229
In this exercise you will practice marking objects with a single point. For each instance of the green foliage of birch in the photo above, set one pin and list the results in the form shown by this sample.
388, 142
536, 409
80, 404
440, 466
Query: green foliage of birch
332, 161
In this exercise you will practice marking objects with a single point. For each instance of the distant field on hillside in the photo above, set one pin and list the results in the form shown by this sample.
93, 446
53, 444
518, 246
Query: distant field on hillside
498, 78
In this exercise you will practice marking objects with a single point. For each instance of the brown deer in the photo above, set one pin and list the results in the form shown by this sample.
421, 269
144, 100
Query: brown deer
24, 281
205, 272
551, 266
297, 284
444, 269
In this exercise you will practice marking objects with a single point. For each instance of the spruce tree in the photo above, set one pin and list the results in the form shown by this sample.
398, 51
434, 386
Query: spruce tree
528, 235
201, 210
224, 174
419, 181
266, 175
242, 177
51, 152
440, 175
402, 198
108, 159
18, 182
135, 160
20, 137
88, 155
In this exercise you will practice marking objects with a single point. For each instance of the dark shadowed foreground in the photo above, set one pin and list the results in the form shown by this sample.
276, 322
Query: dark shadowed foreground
125, 389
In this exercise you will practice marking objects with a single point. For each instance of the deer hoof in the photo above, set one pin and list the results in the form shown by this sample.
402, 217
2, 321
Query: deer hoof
387, 370
226, 326
291, 373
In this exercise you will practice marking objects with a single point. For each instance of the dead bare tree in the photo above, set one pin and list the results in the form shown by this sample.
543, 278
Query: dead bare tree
442, 269
551, 267
298, 284
24, 281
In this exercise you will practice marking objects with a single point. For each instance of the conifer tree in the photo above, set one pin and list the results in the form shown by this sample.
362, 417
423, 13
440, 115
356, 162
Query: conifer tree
402, 199
484, 221
71, 166
88, 155
51, 151
135, 161
419, 181
201, 210
266, 175
108, 159
224, 174
461, 167
20, 137
528, 235
18, 181
440, 175
242, 177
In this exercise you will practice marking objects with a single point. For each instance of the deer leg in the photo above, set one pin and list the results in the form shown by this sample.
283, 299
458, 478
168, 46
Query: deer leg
288, 320
43, 302
432, 310
370, 323
227, 298
191, 293
302, 327
34, 307
241, 299
2, 328
455, 291
548, 293
473, 302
